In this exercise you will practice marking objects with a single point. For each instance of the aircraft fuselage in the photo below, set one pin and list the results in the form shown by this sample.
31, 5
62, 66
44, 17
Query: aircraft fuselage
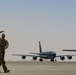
49, 55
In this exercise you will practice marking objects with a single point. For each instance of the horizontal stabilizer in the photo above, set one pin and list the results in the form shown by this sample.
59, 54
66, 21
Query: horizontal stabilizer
33, 53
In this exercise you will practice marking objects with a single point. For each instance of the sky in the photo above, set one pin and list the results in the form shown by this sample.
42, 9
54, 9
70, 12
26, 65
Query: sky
25, 22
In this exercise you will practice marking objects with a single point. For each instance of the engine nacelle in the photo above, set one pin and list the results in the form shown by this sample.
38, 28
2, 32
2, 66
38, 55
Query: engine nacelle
69, 57
34, 58
62, 57
41, 59
23, 57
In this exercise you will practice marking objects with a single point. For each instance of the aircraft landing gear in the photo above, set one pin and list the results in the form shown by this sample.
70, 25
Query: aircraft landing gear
52, 60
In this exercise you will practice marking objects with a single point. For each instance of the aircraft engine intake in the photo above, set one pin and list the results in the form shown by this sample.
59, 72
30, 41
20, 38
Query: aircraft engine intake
34, 58
41, 59
62, 57
69, 57
23, 57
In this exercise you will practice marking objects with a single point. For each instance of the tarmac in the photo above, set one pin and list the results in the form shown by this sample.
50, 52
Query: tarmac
40, 68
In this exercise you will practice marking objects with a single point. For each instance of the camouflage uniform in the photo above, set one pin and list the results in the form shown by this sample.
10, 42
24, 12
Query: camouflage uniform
3, 45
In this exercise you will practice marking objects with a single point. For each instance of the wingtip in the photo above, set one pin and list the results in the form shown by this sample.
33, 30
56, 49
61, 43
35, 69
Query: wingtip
1, 31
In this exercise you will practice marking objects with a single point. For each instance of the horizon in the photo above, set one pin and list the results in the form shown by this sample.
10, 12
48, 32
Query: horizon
25, 22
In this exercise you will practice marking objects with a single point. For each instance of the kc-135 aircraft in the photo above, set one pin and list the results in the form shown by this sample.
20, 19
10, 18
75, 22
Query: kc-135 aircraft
45, 55
71, 50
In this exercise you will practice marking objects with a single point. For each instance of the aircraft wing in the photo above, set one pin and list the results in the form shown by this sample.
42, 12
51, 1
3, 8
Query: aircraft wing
36, 54
64, 55
69, 50
1, 31
29, 55
22, 55
42, 56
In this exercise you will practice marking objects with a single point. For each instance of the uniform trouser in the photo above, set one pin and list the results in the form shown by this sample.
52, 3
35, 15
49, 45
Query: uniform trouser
2, 61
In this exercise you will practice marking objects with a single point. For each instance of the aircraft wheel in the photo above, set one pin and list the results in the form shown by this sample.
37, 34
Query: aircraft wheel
52, 60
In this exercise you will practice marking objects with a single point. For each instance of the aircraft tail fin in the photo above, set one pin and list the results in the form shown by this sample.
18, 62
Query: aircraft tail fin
40, 49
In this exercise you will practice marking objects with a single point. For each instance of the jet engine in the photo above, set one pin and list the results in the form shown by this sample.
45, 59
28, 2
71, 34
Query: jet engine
69, 57
23, 57
34, 58
62, 57
41, 59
